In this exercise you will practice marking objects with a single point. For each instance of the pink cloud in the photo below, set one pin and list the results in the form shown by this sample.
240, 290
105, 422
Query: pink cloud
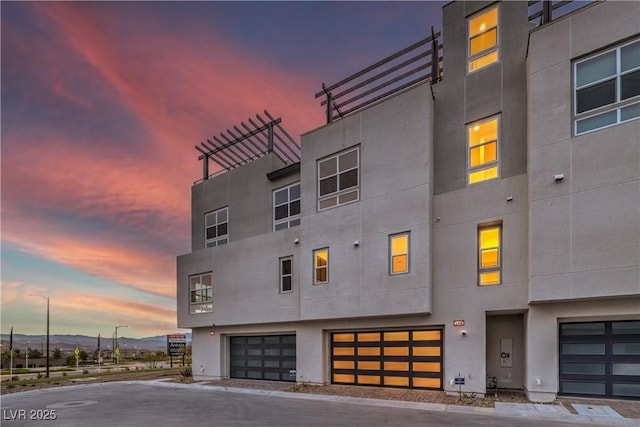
181, 92
186, 89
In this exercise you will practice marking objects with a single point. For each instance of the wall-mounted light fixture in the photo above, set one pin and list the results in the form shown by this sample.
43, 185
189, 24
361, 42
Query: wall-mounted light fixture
296, 240
356, 243
558, 177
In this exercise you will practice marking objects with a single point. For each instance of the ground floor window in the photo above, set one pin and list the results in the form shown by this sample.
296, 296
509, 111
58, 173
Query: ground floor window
405, 358
600, 359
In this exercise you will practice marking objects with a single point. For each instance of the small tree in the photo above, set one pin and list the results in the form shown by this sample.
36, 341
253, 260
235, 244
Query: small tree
57, 354
151, 359
84, 355
34, 353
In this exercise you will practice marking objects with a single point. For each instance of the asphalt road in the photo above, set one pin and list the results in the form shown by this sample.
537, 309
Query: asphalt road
119, 404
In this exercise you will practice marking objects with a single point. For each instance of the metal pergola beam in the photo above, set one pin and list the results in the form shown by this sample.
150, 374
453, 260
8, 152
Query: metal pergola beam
241, 144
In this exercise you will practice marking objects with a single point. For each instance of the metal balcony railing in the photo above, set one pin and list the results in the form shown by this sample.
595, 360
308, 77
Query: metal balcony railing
417, 63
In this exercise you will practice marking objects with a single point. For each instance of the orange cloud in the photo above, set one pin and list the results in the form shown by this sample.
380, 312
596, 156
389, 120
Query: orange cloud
95, 310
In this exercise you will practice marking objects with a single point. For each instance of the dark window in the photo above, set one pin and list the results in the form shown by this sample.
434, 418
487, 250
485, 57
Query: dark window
596, 96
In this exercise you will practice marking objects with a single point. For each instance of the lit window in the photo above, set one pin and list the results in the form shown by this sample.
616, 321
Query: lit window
321, 266
338, 179
286, 274
607, 88
286, 207
489, 262
483, 150
201, 290
483, 39
217, 227
399, 253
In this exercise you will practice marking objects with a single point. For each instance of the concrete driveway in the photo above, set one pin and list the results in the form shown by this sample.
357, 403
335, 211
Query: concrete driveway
156, 403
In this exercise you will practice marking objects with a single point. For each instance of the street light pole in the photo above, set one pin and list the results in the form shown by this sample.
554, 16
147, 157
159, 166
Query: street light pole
117, 348
46, 298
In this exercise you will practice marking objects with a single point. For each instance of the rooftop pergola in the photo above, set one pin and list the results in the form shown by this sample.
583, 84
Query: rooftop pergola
248, 142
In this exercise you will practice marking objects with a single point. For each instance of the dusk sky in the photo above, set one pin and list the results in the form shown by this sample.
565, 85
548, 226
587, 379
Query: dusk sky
102, 104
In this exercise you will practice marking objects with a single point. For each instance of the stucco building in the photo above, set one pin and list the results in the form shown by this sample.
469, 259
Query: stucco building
480, 226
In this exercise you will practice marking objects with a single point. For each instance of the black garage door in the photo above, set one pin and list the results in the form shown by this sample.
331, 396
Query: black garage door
600, 359
270, 357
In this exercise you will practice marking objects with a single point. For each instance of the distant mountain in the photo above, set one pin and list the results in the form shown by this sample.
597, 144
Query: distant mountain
69, 342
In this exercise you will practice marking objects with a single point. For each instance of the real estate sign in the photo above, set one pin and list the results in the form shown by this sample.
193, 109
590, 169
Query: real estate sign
176, 345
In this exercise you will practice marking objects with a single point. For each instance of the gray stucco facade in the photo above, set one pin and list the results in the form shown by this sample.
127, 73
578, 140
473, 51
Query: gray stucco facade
568, 251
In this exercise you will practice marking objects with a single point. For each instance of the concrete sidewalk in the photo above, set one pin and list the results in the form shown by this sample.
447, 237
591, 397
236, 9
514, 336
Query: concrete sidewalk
586, 412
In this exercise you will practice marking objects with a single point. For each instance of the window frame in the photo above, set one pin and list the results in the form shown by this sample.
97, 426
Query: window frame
338, 193
471, 58
207, 297
615, 107
282, 275
487, 165
316, 267
289, 220
221, 239
484, 227
406, 234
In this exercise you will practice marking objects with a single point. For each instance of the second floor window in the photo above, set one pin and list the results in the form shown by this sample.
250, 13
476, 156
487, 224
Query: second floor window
338, 180
399, 253
607, 88
201, 293
482, 142
286, 274
483, 39
320, 266
489, 255
216, 227
286, 207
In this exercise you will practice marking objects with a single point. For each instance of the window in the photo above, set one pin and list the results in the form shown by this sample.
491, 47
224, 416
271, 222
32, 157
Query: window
489, 262
217, 227
338, 179
320, 266
201, 291
607, 88
286, 207
399, 253
483, 150
483, 39
286, 274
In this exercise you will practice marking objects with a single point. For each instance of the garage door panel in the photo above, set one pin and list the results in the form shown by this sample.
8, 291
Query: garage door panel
269, 357
600, 359
405, 358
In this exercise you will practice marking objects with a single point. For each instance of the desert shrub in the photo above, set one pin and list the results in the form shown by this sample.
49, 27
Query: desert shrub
186, 373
